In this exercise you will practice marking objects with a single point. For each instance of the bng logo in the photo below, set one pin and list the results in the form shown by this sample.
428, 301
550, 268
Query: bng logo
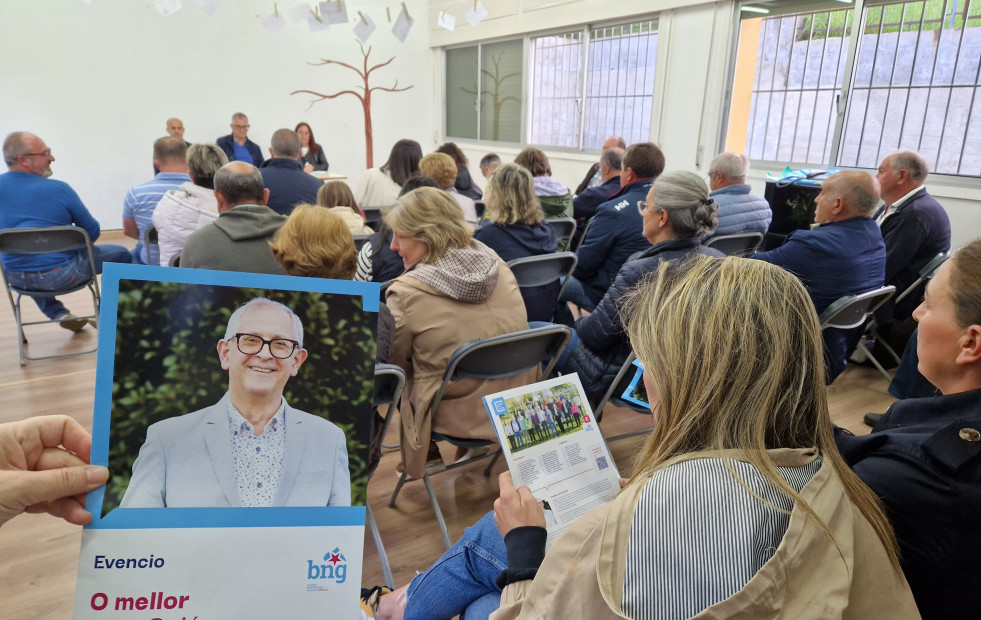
333, 568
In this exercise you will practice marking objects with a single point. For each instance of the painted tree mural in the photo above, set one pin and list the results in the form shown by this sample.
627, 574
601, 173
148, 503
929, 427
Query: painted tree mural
364, 96
496, 91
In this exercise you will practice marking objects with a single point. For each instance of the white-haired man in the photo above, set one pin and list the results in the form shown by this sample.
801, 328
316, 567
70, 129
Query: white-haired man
740, 210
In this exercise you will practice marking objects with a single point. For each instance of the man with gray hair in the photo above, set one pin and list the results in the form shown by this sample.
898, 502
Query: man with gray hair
740, 211
593, 178
170, 158
915, 229
28, 199
251, 448
610, 168
844, 255
284, 177
489, 163
239, 239
237, 145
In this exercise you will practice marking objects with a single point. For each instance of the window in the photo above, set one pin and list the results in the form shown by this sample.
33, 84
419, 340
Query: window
582, 87
914, 83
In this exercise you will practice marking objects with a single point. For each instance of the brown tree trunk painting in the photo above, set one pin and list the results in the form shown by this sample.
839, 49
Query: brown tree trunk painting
364, 96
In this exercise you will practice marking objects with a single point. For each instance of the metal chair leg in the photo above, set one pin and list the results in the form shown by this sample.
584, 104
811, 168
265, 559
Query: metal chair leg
439, 513
386, 568
490, 467
398, 488
861, 347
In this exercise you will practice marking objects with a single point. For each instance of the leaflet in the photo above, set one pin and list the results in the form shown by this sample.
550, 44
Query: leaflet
553, 445
202, 517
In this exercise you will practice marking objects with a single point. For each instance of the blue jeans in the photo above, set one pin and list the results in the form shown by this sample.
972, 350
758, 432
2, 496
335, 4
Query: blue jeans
908, 382
574, 342
576, 293
71, 273
464, 580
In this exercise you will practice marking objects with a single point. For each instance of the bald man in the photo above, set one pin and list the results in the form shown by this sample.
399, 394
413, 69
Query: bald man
593, 177
843, 255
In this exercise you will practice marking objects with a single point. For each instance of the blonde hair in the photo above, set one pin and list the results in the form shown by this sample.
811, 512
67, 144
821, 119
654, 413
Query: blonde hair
440, 167
432, 216
512, 197
337, 194
734, 351
315, 243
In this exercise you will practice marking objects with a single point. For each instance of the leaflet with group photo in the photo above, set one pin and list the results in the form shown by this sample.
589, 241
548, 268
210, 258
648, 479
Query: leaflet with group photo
233, 413
554, 446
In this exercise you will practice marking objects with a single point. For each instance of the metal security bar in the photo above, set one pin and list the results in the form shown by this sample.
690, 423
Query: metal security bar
915, 86
555, 86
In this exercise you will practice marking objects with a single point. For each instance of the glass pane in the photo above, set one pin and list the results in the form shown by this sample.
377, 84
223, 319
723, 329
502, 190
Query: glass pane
554, 88
461, 92
500, 91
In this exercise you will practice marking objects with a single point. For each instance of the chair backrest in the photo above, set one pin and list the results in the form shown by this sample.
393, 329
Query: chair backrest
373, 216
612, 396
44, 240
852, 310
929, 270
563, 227
504, 356
541, 280
585, 231
481, 208
151, 240
175, 260
389, 382
736, 245
359, 241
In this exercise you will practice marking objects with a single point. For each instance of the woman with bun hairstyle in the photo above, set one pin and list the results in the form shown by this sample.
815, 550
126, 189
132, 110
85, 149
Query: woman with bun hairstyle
677, 212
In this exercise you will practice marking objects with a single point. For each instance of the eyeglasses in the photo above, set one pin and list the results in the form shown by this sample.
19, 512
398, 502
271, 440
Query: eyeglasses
642, 206
46, 153
241, 126
280, 348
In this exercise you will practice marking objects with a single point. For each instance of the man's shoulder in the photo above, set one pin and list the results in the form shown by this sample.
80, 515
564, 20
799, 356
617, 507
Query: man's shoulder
185, 422
312, 423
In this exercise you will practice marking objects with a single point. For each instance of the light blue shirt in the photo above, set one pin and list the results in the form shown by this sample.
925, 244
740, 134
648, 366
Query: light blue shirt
258, 461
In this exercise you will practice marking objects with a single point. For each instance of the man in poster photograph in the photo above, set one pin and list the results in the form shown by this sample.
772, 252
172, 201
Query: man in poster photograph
251, 449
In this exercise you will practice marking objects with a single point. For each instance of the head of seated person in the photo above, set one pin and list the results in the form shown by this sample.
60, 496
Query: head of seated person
203, 161
427, 223
440, 167
337, 194
511, 197
403, 161
678, 206
315, 243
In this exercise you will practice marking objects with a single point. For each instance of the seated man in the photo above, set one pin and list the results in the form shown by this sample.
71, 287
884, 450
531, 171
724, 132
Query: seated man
617, 230
251, 448
489, 163
239, 239
237, 145
170, 157
175, 128
924, 458
584, 204
740, 211
843, 256
592, 178
28, 198
283, 174
915, 229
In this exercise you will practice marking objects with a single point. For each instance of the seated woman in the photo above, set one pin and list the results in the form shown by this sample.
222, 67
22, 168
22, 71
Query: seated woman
380, 187
377, 261
313, 157
455, 289
464, 182
182, 211
677, 212
441, 168
739, 505
555, 198
337, 197
516, 229
316, 243
924, 458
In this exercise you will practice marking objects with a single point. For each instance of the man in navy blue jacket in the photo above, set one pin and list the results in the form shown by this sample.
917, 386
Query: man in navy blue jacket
844, 255
617, 228
283, 174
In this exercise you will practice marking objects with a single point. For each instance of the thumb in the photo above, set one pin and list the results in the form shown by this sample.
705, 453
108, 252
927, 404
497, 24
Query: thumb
52, 484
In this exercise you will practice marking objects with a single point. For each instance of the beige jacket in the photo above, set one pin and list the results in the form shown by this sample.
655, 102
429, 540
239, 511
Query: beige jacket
583, 573
354, 220
468, 295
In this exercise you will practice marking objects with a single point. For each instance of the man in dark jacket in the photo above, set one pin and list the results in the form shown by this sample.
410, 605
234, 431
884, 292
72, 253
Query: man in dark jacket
585, 203
239, 239
616, 231
283, 174
237, 145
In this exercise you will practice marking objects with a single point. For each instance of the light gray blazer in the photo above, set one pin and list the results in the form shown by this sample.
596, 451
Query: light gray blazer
187, 462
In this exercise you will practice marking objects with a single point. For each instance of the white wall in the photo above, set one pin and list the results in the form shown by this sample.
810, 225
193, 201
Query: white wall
97, 82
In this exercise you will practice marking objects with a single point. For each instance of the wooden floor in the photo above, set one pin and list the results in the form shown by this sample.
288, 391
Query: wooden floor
39, 554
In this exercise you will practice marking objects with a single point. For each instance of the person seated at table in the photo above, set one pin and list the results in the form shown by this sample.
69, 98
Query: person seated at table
677, 213
338, 198
739, 504
923, 459
311, 154
454, 290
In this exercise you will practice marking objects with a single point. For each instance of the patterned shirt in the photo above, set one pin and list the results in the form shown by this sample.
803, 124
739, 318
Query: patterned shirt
142, 199
258, 461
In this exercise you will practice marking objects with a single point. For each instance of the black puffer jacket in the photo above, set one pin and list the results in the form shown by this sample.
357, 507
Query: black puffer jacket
604, 342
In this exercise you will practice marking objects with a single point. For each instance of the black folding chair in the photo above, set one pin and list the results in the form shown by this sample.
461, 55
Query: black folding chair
542, 280
851, 312
389, 382
736, 245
